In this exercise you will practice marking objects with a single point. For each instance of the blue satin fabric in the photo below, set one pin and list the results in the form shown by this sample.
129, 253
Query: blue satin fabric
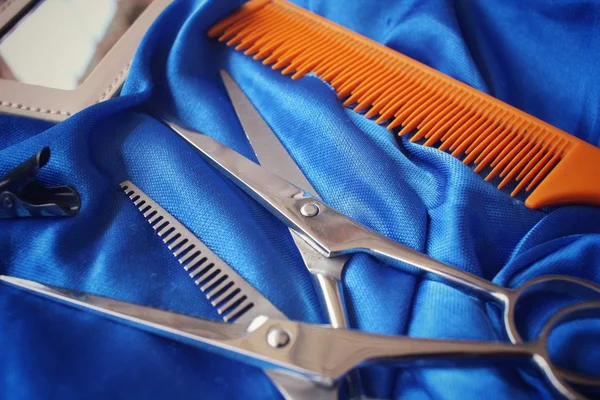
539, 56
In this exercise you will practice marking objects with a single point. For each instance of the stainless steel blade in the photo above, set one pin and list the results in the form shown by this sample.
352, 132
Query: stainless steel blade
273, 156
230, 294
277, 195
307, 360
248, 341
165, 321
267, 147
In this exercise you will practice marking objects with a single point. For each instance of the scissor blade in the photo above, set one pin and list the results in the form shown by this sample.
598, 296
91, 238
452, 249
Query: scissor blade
273, 156
247, 342
229, 293
277, 195
267, 147
165, 323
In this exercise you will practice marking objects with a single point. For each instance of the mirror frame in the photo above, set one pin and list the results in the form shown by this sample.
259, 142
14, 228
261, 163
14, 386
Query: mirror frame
105, 80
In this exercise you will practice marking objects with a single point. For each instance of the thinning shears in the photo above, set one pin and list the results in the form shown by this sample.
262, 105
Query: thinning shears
307, 361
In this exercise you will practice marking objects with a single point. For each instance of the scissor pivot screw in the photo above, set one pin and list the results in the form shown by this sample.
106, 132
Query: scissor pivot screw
277, 337
309, 210
7, 202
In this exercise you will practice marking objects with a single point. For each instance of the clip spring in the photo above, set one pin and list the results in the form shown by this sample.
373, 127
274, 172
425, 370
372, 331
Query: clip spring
22, 196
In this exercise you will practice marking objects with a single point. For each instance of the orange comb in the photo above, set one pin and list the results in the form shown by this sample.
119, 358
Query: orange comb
433, 107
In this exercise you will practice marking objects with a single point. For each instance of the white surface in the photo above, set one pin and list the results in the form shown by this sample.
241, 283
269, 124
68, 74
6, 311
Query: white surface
54, 44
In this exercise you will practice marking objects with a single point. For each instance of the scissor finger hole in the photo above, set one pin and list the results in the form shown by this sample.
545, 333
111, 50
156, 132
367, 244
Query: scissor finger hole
572, 343
539, 299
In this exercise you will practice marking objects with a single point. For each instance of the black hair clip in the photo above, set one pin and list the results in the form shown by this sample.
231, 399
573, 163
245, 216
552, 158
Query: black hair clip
22, 196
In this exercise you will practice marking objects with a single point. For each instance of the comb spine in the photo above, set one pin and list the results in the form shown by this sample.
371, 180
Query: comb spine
248, 8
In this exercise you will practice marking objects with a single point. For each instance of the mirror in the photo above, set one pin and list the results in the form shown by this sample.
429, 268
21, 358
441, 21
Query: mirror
58, 43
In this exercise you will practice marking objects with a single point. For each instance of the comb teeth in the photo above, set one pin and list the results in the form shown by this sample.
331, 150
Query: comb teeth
400, 92
229, 293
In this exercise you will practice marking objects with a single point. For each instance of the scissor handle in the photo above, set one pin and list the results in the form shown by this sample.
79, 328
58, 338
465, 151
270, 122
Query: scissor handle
581, 289
350, 236
331, 353
363, 239
326, 354
563, 380
509, 299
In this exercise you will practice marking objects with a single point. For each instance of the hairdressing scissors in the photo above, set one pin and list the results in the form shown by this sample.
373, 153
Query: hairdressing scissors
333, 235
307, 361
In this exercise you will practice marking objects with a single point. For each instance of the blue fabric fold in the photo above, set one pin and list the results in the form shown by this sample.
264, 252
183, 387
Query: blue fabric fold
539, 56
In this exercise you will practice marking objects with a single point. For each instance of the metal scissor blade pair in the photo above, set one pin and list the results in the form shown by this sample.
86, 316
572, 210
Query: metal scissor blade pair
255, 342
213, 332
321, 353
277, 195
317, 351
327, 272
327, 231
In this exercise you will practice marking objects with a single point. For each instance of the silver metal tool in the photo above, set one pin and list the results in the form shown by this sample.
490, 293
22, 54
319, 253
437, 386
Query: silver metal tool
233, 298
273, 156
332, 234
320, 353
